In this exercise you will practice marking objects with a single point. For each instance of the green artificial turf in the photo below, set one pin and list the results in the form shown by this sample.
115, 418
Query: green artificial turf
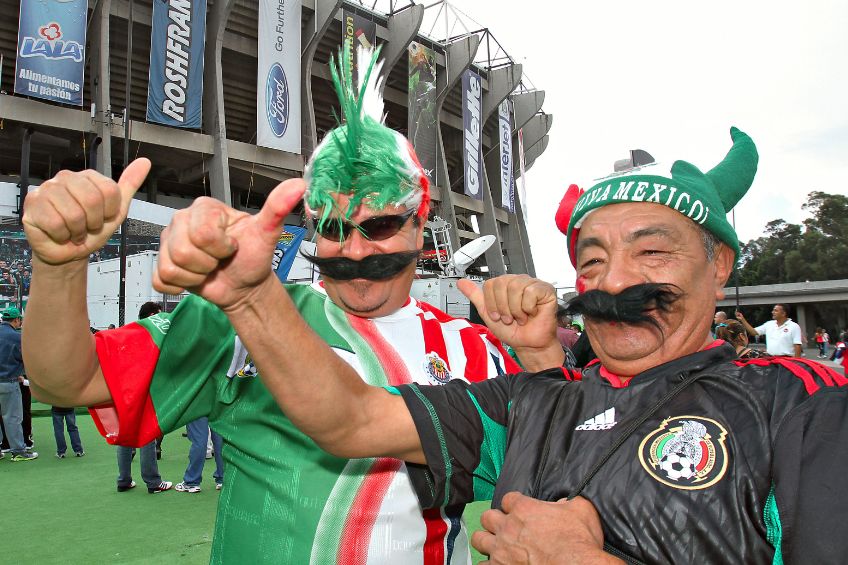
68, 511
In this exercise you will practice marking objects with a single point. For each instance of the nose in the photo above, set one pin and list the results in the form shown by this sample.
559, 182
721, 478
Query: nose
356, 246
620, 273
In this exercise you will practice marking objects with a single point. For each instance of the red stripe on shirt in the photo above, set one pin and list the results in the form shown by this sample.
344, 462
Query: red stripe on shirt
434, 340
437, 529
476, 355
828, 375
810, 384
366, 504
127, 357
509, 364
356, 535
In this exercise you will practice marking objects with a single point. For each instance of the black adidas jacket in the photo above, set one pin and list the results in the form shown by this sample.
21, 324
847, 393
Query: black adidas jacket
742, 463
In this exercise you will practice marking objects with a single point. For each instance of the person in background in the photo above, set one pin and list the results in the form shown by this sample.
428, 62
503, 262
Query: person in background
719, 320
734, 333
819, 338
783, 336
11, 378
199, 435
62, 416
147, 453
565, 330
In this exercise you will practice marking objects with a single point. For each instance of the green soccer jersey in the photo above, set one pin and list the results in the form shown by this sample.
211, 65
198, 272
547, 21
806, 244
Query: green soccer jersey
284, 499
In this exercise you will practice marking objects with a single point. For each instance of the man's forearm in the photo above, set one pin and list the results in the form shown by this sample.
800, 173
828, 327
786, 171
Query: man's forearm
319, 392
749, 328
58, 348
798, 350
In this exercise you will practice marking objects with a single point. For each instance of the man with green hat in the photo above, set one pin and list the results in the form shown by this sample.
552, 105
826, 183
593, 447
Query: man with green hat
667, 449
11, 375
284, 500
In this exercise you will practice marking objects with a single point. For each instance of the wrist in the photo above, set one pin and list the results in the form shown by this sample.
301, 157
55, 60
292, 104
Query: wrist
541, 358
257, 299
59, 272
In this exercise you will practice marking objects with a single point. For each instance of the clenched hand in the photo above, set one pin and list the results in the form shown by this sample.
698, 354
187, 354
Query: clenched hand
222, 254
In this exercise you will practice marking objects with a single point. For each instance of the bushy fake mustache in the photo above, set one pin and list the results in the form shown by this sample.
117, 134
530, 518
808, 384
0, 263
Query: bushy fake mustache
630, 306
373, 267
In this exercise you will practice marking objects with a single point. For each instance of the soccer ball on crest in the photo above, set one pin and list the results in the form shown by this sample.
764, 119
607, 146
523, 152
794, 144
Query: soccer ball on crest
677, 466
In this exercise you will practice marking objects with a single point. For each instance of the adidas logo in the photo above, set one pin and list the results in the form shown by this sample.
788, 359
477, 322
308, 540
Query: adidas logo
603, 421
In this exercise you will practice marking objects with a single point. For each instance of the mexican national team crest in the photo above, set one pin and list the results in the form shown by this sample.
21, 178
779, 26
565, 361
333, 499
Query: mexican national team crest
685, 452
436, 369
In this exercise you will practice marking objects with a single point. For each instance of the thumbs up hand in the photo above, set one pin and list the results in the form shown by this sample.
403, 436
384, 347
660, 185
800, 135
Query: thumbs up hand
75, 213
222, 254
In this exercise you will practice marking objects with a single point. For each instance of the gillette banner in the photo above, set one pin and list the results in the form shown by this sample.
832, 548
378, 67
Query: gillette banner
278, 78
360, 31
505, 141
51, 50
177, 38
472, 130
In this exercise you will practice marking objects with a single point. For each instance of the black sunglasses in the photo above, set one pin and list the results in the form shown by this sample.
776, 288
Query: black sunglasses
377, 228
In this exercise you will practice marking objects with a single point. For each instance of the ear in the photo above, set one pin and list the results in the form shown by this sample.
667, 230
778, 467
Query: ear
724, 260
419, 239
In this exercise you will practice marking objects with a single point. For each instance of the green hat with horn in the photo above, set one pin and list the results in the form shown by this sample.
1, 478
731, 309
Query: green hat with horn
705, 198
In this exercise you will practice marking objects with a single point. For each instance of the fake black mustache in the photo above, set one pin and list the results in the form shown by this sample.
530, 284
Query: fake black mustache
629, 306
373, 267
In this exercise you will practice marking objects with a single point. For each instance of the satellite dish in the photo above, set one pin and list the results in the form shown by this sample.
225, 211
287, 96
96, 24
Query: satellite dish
467, 254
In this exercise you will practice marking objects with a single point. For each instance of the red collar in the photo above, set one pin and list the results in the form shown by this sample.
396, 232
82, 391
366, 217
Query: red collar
617, 381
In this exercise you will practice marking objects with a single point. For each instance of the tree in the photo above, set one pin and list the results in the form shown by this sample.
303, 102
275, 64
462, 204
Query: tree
818, 250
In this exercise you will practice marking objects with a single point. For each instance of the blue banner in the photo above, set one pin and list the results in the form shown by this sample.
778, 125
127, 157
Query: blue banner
175, 89
286, 251
51, 50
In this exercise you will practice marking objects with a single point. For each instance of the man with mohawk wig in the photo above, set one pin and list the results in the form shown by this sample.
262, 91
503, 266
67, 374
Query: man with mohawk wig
284, 500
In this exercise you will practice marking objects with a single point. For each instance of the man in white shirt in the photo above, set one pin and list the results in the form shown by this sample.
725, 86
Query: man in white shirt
783, 336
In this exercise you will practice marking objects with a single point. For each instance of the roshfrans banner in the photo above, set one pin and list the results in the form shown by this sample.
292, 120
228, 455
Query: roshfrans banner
505, 139
472, 130
360, 31
51, 50
422, 107
278, 78
177, 38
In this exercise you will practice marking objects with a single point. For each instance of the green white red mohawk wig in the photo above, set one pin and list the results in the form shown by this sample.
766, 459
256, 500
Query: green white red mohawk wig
705, 198
362, 157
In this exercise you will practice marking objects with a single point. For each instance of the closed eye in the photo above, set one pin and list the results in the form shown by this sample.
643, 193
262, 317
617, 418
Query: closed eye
590, 262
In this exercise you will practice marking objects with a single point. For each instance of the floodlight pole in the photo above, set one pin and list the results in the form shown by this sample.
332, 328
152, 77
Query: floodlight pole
122, 252
735, 266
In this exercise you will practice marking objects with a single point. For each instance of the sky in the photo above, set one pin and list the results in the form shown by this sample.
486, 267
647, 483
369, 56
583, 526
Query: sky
671, 77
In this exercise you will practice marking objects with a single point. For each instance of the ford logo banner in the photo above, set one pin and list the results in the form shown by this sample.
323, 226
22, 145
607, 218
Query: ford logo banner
277, 100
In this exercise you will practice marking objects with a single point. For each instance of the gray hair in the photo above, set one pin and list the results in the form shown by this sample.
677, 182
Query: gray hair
711, 242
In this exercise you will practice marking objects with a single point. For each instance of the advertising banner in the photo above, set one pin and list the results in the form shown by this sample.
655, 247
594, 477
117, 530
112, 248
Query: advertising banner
472, 129
360, 31
286, 250
422, 106
505, 140
278, 78
177, 38
51, 50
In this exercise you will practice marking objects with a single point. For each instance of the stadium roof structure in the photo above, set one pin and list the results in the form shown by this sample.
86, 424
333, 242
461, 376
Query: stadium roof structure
221, 158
